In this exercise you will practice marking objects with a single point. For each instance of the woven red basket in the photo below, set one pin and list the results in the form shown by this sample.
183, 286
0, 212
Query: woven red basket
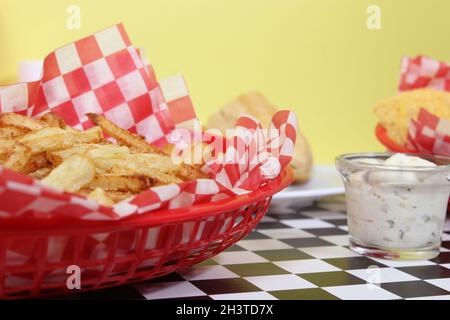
164, 241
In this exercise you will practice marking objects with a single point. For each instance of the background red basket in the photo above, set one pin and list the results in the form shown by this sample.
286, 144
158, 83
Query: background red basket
135, 249
382, 136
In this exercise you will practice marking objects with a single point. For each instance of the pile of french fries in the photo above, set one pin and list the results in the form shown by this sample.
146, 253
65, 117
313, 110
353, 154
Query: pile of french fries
85, 162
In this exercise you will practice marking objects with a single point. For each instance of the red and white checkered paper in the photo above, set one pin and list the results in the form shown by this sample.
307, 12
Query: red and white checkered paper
428, 133
104, 73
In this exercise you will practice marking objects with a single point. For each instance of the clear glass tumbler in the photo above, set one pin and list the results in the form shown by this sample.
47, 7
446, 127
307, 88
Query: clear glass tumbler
395, 212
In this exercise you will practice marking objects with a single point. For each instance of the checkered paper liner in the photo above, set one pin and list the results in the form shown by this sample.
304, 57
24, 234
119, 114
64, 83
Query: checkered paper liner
428, 133
104, 73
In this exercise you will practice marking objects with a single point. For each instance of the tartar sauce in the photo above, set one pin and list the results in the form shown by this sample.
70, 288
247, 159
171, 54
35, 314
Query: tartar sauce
396, 208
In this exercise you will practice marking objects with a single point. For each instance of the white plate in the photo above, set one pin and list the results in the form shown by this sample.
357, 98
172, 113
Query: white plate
324, 181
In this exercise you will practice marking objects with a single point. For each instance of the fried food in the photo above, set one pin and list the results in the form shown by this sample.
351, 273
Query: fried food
101, 197
395, 113
53, 120
93, 150
159, 168
18, 157
122, 136
20, 121
55, 138
40, 173
115, 182
6, 144
48, 138
36, 162
10, 132
86, 162
256, 105
72, 174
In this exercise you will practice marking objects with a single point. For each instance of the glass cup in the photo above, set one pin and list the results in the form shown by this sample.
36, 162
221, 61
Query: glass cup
395, 212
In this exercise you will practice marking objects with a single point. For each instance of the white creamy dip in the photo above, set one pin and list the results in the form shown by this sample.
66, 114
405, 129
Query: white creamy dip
402, 209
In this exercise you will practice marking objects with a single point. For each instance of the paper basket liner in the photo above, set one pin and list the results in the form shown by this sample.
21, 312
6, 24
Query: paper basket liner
428, 133
104, 73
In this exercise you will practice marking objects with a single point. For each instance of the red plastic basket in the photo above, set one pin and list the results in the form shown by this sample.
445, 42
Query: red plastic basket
382, 136
158, 243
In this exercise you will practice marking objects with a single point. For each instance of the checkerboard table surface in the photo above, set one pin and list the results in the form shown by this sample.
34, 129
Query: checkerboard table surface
297, 253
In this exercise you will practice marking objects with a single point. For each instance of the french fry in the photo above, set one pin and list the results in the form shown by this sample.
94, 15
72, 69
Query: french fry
92, 135
188, 172
52, 138
19, 121
191, 159
147, 164
168, 148
72, 174
138, 162
36, 162
112, 182
48, 139
10, 132
58, 156
123, 167
40, 173
108, 150
117, 196
99, 195
18, 157
53, 120
122, 136
84, 161
6, 144
92, 150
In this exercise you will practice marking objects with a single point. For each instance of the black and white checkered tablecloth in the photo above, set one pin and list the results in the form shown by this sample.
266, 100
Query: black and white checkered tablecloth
297, 253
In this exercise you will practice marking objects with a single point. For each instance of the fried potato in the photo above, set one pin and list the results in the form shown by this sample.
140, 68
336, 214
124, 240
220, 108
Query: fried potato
20, 121
10, 132
58, 156
84, 161
138, 164
48, 139
168, 148
122, 136
188, 172
112, 182
92, 150
195, 153
36, 162
117, 196
191, 159
108, 150
5, 148
92, 135
53, 120
147, 164
6, 144
99, 195
72, 174
52, 138
18, 157
40, 173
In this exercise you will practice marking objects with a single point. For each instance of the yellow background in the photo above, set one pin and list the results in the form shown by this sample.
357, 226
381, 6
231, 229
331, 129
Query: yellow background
316, 57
